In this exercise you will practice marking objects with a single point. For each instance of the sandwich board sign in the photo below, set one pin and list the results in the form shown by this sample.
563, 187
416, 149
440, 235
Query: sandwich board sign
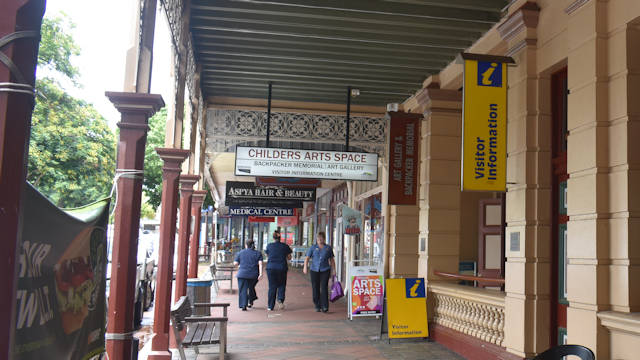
406, 308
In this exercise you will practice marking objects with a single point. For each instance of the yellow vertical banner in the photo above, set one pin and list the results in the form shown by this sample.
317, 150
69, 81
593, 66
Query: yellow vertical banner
406, 308
484, 133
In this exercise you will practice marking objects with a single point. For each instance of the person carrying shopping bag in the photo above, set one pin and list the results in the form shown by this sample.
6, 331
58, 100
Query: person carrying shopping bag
249, 272
278, 253
322, 266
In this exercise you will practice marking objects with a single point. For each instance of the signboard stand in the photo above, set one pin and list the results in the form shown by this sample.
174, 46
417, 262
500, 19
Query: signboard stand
384, 322
406, 313
370, 281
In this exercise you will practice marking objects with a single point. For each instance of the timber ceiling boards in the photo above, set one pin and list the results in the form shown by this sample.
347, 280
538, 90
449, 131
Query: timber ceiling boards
313, 49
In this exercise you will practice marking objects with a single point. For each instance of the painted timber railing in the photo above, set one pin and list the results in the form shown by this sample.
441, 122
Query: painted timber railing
473, 311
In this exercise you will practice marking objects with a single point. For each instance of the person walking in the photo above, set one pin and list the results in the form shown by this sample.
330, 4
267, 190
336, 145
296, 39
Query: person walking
277, 255
322, 266
249, 272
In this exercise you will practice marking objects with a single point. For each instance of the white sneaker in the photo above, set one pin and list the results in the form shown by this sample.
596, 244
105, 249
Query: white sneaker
280, 305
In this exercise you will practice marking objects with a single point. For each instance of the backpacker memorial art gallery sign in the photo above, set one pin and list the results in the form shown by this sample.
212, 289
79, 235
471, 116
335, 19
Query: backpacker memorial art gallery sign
404, 159
257, 161
484, 134
60, 297
243, 193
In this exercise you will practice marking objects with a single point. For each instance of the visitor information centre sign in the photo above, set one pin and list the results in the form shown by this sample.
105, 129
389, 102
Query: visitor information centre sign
484, 134
258, 161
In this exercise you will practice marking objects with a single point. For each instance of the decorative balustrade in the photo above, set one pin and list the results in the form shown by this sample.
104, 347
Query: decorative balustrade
473, 311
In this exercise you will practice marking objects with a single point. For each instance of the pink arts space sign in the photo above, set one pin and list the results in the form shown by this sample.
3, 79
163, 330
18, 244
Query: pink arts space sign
367, 295
314, 164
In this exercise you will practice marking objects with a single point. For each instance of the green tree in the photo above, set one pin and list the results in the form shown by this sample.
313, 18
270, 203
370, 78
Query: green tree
152, 184
71, 150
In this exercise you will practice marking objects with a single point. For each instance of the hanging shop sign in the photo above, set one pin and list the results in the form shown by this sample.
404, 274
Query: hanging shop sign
352, 220
406, 308
284, 221
242, 193
260, 211
315, 164
288, 182
404, 137
60, 297
261, 219
484, 134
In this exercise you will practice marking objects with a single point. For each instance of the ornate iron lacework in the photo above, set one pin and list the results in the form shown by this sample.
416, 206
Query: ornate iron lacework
228, 128
173, 9
191, 67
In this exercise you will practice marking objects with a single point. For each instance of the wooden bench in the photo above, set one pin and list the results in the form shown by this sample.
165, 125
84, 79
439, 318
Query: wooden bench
221, 275
201, 330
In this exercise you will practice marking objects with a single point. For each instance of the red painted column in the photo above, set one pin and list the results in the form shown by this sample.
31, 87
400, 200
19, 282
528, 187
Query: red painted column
15, 124
135, 110
196, 207
172, 158
186, 191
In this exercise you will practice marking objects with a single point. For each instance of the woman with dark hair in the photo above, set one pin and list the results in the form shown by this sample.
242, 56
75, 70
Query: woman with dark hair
249, 272
322, 266
278, 253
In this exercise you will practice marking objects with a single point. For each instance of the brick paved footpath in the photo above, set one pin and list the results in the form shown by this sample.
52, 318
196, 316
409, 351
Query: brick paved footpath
298, 332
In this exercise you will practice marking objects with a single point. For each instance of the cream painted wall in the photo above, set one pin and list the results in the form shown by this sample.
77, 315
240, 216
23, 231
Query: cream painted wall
600, 42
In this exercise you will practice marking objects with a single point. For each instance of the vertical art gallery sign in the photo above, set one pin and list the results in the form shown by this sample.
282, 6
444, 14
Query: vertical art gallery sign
60, 299
404, 136
484, 134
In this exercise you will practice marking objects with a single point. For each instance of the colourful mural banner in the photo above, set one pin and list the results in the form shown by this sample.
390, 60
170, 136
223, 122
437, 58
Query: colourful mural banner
406, 308
484, 134
367, 294
60, 297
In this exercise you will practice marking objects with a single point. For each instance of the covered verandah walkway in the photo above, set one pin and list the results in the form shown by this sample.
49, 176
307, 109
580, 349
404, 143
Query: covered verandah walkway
298, 332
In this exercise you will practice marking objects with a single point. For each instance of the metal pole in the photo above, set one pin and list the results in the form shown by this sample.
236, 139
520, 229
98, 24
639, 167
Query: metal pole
269, 113
348, 116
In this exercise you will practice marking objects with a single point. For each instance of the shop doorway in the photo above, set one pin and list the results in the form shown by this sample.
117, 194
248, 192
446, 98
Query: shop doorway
559, 303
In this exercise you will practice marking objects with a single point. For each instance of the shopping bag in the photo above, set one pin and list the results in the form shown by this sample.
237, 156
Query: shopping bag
336, 290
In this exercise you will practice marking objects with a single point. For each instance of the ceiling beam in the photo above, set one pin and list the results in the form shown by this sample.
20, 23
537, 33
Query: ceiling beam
236, 7
322, 98
261, 67
344, 60
318, 45
284, 87
414, 40
441, 11
335, 26
308, 78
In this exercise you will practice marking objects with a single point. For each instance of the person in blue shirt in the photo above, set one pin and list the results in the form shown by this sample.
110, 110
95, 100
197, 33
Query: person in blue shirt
278, 253
249, 272
322, 265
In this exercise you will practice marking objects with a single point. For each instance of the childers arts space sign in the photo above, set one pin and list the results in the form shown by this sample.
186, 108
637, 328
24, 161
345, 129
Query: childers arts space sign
484, 136
403, 158
257, 161
242, 193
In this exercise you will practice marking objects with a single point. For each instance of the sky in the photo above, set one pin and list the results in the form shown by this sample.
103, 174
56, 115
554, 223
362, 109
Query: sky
102, 32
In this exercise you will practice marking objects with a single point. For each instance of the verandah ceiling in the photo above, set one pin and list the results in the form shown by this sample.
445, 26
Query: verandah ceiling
313, 49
